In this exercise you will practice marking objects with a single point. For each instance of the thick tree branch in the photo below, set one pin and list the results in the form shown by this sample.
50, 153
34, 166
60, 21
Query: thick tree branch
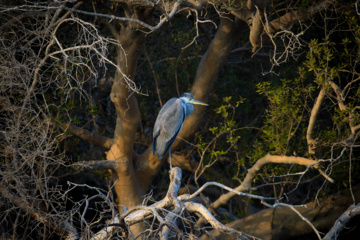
93, 138
131, 39
276, 223
246, 185
295, 17
170, 201
207, 73
183, 162
205, 213
341, 222
314, 113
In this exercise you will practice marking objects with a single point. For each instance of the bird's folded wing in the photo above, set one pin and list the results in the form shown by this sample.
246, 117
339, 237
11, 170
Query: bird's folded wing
168, 125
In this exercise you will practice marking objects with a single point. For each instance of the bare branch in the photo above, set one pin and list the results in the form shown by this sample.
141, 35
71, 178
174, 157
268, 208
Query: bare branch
341, 222
94, 165
205, 213
252, 172
294, 17
61, 226
171, 200
298, 213
314, 113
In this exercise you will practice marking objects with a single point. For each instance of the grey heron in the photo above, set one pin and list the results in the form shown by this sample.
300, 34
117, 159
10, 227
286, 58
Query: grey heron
169, 123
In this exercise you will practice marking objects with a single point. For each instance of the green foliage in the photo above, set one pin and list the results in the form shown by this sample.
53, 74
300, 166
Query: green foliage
220, 145
284, 115
330, 59
320, 60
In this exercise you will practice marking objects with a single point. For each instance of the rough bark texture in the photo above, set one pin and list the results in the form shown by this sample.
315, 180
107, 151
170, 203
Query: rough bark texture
128, 115
207, 73
283, 223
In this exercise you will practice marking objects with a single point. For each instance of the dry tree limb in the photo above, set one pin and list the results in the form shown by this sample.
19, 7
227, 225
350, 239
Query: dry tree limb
93, 138
94, 165
107, 232
58, 224
314, 113
246, 185
173, 207
206, 214
341, 222
294, 17
292, 207
275, 223
189, 197
183, 162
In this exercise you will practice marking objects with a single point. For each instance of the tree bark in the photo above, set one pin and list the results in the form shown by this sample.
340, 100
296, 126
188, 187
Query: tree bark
283, 223
131, 39
126, 184
209, 67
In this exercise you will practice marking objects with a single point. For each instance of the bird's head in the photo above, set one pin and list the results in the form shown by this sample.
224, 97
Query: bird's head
190, 99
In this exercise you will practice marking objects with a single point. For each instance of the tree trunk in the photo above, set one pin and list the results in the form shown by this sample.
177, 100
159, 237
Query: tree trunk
283, 223
209, 67
126, 184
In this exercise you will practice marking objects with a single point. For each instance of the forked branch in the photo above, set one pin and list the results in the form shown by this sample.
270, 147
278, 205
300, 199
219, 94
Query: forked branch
173, 207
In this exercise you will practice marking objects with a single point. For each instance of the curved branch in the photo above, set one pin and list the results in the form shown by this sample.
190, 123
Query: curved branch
251, 174
187, 197
341, 222
170, 201
205, 213
93, 138
314, 113
279, 222
207, 73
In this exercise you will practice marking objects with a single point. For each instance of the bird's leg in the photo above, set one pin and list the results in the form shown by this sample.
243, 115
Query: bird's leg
170, 158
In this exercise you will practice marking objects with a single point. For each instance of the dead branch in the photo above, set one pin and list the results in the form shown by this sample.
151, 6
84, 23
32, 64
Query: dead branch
292, 207
94, 165
189, 197
341, 222
61, 226
205, 213
246, 185
279, 222
178, 205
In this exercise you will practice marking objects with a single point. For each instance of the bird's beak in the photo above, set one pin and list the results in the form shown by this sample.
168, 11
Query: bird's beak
197, 102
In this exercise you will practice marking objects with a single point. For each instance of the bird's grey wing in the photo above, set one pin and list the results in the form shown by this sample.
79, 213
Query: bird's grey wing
159, 121
167, 126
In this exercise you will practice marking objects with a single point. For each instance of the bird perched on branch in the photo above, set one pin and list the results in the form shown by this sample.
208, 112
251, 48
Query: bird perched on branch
170, 121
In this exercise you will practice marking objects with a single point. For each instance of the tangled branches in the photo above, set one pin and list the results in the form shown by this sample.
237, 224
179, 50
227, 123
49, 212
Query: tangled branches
40, 70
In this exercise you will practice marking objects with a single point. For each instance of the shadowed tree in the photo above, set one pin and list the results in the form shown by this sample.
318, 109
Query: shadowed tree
42, 51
